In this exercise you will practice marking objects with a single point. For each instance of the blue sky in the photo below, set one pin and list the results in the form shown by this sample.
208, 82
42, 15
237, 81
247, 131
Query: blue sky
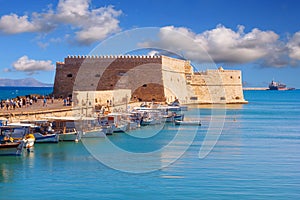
260, 37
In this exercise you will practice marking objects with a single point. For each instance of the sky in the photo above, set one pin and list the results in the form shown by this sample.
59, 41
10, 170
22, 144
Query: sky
259, 37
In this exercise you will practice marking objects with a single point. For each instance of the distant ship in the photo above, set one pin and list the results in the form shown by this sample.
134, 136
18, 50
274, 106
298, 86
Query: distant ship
278, 86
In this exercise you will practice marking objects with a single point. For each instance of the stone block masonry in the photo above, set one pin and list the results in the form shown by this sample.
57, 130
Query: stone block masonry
150, 78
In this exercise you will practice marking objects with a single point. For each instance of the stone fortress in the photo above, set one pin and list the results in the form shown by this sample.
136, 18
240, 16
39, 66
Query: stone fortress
147, 78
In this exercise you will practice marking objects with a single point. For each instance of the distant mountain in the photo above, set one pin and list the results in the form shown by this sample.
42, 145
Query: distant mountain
27, 82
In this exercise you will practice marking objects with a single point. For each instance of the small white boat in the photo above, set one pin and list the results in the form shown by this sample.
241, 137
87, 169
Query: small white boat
29, 141
194, 123
147, 121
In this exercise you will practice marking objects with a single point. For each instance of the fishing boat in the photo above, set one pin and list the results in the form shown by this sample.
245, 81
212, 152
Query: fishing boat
42, 131
193, 123
151, 117
7, 144
20, 132
107, 128
117, 122
65, 127
90, 128
46, 138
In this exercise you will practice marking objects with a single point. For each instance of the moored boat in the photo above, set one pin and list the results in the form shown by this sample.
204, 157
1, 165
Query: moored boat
65, 128
117, 122
46, 138
8, 146
11, 148
42, 131
20, 132
95, 133
194, 123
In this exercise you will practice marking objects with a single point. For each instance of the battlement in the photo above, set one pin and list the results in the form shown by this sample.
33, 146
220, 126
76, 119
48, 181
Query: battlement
79, 59
112, 56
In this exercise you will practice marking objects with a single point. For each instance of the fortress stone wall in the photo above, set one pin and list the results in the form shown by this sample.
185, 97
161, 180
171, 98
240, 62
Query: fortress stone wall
150, 78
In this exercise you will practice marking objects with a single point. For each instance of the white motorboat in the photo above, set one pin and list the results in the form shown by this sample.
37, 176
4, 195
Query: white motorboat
194, 123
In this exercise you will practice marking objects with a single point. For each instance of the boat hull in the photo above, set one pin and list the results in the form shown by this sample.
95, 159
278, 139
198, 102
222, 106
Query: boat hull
14, 148
93, 134
120, 128
49, 138
72, 136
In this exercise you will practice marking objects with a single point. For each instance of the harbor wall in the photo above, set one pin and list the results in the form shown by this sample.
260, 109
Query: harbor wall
88, 102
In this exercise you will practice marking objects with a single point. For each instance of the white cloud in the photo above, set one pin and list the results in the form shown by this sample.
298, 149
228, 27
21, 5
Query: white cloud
29, 65
153, 53
294, 46
88, 25
100, 23
6, 70
14, 24
222, 45
43, 45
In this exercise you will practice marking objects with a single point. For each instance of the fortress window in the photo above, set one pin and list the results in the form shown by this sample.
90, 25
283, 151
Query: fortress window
237, 98
222, 98
97, 75
122, 74
70, 75
231, 77
145, 85
194, 98
239, 77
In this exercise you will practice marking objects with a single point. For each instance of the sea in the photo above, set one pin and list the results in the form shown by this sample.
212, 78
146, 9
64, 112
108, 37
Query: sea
249, 151
13, 92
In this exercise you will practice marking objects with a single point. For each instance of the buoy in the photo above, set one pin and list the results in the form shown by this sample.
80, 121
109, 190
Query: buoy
76, 140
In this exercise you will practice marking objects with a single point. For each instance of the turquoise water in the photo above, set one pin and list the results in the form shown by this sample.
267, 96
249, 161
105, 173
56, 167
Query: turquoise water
12, 92
255, 157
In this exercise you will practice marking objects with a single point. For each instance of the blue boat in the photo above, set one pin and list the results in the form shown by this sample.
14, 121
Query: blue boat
46, 138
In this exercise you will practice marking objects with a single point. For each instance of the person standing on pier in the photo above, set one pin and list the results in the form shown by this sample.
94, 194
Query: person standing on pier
45, 102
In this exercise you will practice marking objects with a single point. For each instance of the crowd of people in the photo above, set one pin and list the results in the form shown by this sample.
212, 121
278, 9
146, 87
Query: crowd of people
23, 102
